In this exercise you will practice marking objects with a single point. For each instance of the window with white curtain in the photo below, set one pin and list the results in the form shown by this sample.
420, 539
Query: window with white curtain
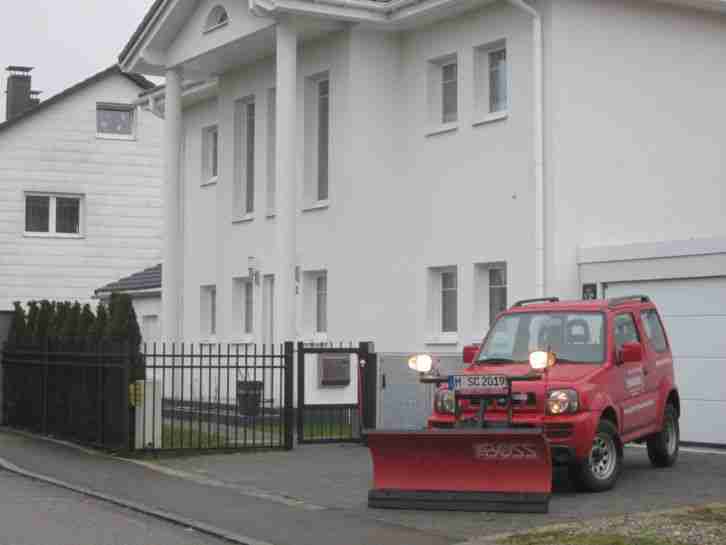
208, 311
491, 81
449, 304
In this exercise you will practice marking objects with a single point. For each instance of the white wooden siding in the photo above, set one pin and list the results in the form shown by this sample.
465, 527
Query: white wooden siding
56, 150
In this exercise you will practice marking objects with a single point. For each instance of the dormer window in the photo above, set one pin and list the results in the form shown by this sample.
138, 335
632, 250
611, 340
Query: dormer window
217, 17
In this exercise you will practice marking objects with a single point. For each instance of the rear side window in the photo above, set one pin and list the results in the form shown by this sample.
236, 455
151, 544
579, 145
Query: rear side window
654, 330
625, 330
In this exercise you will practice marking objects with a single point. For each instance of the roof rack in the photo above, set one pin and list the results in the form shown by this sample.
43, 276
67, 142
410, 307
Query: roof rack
615, 301
537, 300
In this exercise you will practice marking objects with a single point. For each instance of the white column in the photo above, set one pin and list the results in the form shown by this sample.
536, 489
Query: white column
172, 262
285, 174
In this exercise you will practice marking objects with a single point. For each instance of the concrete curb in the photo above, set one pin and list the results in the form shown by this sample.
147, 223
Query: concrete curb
167, 516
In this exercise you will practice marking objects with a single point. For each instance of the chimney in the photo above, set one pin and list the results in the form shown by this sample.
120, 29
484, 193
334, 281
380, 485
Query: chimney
18, 92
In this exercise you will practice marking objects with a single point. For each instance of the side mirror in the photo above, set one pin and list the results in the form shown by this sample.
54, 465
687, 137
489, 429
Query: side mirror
631, 352
470, 352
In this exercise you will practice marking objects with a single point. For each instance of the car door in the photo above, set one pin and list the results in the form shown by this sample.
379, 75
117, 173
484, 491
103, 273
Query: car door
637, 405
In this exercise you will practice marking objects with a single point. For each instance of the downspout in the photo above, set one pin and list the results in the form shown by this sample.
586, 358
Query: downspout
538, 133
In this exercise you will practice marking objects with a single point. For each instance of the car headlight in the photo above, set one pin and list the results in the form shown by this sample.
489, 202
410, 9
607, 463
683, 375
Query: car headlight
445, 402
562, 401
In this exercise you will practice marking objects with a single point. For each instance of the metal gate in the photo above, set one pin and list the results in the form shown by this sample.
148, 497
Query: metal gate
336, 392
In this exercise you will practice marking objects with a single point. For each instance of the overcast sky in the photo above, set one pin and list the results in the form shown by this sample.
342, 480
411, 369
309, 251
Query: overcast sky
66, 41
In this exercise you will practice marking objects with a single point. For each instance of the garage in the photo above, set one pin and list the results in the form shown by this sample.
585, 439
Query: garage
694, 313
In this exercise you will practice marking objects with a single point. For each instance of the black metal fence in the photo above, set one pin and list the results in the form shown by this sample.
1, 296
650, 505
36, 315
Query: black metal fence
214, 396
71, 388
191, 396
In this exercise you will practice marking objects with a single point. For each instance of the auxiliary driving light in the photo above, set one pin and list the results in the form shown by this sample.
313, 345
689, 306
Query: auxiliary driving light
421, 363
541, 360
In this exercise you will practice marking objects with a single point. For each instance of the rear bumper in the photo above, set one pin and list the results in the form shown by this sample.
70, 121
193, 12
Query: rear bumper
440, 500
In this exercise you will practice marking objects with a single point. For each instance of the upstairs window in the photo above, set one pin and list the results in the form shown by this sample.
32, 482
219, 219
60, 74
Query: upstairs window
449, 307
491, 82
115, 121
53, 214
245, 156
323, 137
498, 93
449, 93
442, 90
316, 191
217, 18
210, 154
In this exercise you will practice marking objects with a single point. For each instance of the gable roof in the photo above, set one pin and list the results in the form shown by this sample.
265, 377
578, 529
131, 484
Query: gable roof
140, 29
148, 279
139, 80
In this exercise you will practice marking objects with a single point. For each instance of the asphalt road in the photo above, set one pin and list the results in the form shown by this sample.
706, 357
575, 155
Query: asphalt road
33, 513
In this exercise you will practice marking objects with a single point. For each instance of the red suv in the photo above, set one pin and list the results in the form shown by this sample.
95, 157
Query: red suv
612, 383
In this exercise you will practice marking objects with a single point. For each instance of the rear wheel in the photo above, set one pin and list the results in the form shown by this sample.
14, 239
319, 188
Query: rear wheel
600, 470
663, 446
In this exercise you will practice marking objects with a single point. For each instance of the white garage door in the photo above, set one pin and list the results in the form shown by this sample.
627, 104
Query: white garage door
694, 312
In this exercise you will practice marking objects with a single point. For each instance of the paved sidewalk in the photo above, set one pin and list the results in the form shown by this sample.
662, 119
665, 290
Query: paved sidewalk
317, 494
222, 507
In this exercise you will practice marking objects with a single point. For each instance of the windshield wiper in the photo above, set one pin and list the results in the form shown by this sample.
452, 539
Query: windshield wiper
495, 360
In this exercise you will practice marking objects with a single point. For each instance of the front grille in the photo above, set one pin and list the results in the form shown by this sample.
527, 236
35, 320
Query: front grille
531, 401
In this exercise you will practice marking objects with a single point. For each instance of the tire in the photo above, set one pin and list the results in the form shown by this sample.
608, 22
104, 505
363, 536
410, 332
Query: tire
601, 469
663, 446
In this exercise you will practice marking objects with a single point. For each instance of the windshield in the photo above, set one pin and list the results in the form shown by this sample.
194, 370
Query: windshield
573, 337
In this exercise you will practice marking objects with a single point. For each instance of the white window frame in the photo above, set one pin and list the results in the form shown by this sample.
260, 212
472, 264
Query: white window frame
271, 151
311, 196
435, 84
209, 176
52, 197
311, 298
244, 316
483, 317
208, 312
484, 112
120, 108
245, 171
434, 302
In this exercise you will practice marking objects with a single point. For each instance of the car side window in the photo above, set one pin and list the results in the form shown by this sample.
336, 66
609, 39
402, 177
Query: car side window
625, 330
654, 330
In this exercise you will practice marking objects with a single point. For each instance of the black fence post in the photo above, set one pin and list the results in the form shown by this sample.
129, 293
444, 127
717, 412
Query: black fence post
44, 389
299, 413
289, 355
126, 410
370, 387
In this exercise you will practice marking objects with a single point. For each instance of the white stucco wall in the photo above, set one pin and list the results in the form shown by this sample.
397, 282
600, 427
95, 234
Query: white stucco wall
636, 126
57, 151
400, 201
632, 121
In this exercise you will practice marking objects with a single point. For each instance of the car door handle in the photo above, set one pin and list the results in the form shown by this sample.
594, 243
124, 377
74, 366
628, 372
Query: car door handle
645, 370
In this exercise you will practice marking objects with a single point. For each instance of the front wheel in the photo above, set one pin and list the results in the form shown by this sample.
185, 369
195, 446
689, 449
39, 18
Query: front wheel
600, 470
663, 446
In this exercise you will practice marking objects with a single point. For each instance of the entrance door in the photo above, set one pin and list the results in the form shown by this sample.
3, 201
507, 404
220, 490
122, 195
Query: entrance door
268, 309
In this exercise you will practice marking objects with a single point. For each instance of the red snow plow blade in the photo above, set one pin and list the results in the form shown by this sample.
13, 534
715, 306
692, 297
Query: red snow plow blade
495, 469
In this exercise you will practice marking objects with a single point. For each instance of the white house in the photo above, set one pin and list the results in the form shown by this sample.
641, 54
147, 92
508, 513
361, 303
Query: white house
80, 187
401, 170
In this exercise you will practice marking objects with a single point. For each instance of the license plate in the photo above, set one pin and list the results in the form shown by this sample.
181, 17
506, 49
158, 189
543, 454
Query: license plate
479, 384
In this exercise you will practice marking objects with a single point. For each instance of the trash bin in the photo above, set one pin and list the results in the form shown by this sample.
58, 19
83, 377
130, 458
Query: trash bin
249, 395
